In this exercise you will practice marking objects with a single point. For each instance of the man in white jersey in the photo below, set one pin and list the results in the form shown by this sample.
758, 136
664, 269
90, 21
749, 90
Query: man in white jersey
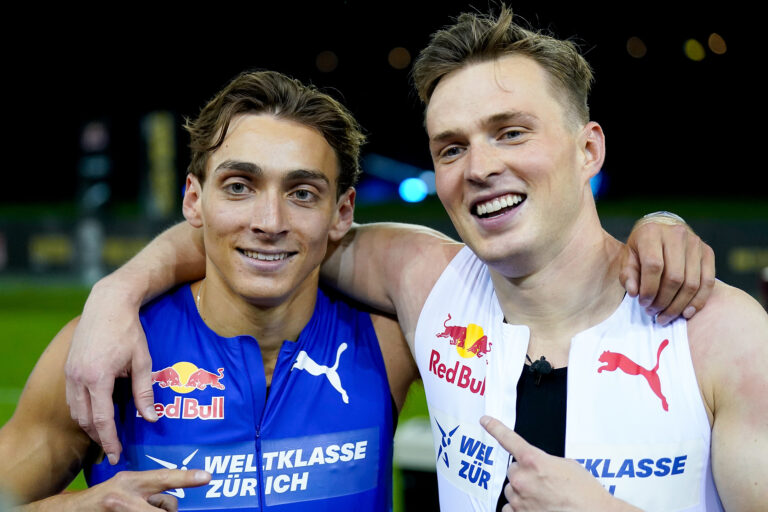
538, 271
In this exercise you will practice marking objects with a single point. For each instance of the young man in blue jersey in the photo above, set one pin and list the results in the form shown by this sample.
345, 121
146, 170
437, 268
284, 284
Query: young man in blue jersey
286, 395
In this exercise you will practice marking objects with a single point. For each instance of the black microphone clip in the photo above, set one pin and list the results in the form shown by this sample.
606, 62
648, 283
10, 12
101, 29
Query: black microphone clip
540, 367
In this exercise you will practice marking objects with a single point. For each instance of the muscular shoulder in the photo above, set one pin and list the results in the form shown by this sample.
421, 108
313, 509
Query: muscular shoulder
729, 345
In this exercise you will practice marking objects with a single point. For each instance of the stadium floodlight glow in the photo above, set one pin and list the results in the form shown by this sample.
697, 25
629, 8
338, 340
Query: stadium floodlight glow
428, 177
413, 190
595, 183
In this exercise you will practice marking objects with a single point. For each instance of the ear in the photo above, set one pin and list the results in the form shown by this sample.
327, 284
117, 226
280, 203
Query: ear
192, 204
344, 215
592, 144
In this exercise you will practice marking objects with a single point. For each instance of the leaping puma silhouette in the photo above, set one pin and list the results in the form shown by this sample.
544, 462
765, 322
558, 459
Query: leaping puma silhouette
304, 362
614, 360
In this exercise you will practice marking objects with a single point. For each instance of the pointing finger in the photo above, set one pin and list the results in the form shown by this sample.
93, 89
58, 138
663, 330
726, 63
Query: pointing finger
508, 438
159, 480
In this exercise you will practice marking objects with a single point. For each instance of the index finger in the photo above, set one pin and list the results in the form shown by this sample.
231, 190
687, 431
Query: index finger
159, 480
103, 415
508, 438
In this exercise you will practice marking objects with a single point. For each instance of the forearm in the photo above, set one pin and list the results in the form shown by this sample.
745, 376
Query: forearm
177, 255
374, 262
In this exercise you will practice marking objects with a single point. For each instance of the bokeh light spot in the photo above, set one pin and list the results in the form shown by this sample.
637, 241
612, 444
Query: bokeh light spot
636, 47
326, 61
694, 50
413, 190
717, 44
399, 58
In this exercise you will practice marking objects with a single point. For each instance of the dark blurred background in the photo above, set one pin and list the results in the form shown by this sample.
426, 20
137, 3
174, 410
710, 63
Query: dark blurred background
675, 126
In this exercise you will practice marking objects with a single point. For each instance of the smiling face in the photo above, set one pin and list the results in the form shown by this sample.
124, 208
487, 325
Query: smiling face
511, 167
268, 208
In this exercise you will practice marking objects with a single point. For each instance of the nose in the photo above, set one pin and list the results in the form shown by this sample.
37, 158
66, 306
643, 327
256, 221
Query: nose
483, 162
268, 216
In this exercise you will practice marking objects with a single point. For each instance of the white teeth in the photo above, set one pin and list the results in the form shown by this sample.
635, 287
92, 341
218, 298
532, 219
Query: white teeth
265, 257
497, 204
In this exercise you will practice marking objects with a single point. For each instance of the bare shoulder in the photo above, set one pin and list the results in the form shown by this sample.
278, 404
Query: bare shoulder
730, 314
729, 345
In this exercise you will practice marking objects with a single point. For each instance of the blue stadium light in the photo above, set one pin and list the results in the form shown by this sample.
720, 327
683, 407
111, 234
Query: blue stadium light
595, 183
413, 190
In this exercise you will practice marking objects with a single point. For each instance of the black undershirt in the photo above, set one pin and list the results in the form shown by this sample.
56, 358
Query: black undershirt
541, 413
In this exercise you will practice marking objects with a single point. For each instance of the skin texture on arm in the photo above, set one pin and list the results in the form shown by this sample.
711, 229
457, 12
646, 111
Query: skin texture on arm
401, 368
729, 347
391, 267
42, 450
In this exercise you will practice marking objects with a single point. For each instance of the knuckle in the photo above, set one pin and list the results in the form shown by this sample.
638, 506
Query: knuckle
102, 421
113, 500
681, 231
163, 476
652, 264
708, 281
691, 285
674, 277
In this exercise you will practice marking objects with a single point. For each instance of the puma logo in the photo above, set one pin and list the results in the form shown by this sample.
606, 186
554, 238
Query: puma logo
304, 362
614, 360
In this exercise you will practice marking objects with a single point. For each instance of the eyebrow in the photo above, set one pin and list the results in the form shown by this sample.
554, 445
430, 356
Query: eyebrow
256, 171
237, 165
307, 174
502, 117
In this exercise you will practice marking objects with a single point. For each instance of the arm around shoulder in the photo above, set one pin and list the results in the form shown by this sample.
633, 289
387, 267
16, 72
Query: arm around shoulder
729, 346
386, 264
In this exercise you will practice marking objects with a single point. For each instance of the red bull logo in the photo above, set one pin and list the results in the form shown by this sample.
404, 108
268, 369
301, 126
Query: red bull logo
470, 341
616, 361
185, 377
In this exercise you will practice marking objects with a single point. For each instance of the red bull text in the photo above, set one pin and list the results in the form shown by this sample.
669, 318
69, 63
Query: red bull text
184, 377
459, 374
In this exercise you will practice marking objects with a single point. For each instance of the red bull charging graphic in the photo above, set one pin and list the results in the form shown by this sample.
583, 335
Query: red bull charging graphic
185, 377
471, 342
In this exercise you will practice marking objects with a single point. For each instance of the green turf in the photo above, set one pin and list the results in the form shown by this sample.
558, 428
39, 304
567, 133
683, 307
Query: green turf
31, 313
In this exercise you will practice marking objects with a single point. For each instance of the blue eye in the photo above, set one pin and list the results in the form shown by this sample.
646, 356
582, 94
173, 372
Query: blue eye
236, 188
303, 195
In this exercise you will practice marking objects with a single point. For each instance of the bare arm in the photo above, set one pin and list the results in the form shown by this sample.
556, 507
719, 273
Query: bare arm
42, 450
390, 266
111, 315
729, 346
401, 368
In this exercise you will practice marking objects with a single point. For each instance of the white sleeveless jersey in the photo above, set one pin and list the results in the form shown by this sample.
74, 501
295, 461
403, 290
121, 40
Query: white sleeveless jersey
635, 417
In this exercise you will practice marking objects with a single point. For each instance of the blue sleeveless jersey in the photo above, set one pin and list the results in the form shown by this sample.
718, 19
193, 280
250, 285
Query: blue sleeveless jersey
319, 439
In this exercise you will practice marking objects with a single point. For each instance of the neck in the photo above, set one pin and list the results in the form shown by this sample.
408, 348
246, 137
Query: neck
566, 292
230, 314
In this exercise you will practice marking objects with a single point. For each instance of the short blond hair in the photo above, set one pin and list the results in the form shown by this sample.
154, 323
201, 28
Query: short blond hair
479, 38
